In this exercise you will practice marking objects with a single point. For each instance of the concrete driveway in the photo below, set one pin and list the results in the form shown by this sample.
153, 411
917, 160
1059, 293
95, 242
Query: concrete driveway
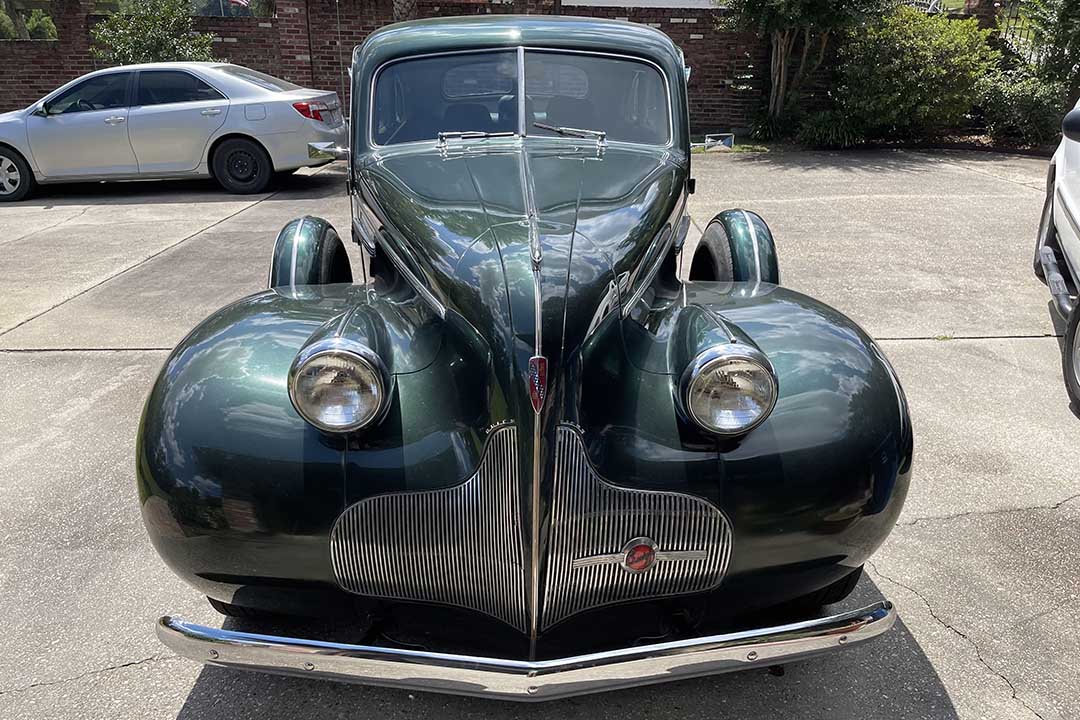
930, 252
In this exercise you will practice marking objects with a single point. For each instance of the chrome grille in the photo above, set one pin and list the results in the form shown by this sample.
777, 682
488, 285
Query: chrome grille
460, 546
591, 522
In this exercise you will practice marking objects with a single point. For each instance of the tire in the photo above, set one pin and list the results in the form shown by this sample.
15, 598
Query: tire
1047, 236
16, 178
243, 613
712, 260
1070, 359
242, 166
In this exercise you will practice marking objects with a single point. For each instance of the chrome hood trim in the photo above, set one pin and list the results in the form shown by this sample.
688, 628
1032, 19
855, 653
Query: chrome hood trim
523, 680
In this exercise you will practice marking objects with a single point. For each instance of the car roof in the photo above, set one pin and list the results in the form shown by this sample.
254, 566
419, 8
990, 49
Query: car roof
450, 34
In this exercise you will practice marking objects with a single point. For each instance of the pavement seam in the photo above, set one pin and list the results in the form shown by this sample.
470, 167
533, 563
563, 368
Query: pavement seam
32, 233
136, 265
89, 673
945, 160
31, 351
960, 634
987, 513
950, 338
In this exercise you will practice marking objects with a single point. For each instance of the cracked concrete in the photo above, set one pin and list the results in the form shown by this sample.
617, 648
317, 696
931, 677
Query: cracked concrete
928, 251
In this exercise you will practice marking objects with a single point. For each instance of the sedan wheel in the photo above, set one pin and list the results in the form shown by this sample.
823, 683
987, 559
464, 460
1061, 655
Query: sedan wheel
242, 166
1071, 360
15, 177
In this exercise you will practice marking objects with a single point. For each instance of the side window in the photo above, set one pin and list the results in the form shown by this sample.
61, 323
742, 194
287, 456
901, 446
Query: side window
159, 87
103, 92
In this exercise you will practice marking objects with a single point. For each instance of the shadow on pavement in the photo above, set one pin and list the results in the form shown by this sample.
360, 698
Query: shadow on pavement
884, 161
890, 677
319, 183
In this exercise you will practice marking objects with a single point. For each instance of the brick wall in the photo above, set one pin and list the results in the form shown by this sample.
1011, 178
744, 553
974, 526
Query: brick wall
301, 44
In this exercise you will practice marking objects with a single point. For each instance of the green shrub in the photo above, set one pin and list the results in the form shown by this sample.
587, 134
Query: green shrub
150, 31
40, 26
830, 129
912, 75
1020, 106
7, 27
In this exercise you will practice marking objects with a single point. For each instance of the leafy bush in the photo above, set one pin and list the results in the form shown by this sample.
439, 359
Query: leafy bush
40, 26
7, 27
830, 129
1020, 106
150, 31
912, 74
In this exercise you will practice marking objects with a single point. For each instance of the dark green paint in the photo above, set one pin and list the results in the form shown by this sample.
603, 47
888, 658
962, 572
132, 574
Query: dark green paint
239, 493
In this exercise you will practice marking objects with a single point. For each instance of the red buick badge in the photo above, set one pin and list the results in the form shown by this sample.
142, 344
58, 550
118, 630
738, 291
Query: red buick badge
640, 555
537, 381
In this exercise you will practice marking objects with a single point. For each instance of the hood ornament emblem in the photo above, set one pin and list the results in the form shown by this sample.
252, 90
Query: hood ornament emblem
538, 382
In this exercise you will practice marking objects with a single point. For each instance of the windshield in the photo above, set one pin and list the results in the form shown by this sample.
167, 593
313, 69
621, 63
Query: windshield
476, 93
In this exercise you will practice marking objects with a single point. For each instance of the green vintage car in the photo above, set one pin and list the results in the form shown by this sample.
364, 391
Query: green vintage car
522, 459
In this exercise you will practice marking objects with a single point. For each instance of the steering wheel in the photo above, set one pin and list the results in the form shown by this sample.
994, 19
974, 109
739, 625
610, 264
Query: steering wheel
84, 105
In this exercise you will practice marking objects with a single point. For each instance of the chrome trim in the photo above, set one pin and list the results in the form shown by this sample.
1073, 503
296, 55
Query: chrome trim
521, 680
592, 517
521, 50
456, 546
721, 353
327, 151
359, 352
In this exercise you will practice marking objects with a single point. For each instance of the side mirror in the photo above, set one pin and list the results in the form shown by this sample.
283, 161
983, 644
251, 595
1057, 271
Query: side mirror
327, 151
1070, 127
42, 110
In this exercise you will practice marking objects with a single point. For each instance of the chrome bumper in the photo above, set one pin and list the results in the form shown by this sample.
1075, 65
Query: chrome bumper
522, 680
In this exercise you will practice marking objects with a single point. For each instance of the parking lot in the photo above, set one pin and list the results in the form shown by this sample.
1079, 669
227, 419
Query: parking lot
930, 252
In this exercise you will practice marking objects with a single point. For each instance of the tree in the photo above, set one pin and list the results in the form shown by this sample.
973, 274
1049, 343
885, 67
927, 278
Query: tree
806, 25
7, 7
150, 31
1055, 26
404, 10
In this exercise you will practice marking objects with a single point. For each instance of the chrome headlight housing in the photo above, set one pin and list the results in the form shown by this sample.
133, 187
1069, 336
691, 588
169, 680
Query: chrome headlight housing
729, 389
338, 386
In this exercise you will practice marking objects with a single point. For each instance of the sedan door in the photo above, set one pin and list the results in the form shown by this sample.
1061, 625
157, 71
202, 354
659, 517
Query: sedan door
1067, 203
82, 131
172, 118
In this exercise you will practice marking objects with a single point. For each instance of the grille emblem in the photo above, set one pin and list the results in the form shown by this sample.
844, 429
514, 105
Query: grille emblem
639, 555
537, 381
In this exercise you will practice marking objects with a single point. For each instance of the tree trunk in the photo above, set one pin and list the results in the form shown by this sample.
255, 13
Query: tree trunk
404, 10
16, 18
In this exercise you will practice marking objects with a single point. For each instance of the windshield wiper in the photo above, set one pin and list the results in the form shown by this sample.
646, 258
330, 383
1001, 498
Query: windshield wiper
572, 132
471, 135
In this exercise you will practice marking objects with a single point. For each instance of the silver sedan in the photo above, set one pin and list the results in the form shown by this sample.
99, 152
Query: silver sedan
166, 120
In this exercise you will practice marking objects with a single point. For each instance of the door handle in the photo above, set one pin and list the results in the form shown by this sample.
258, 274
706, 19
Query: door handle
211, 111
114, 120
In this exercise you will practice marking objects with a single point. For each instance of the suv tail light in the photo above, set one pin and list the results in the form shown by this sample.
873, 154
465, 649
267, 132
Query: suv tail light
311, 110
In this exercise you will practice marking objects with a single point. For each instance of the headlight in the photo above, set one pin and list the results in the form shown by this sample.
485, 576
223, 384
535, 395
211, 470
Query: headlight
338, 386
729, 389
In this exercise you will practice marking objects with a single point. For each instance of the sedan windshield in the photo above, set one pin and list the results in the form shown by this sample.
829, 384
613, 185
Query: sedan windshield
475, 95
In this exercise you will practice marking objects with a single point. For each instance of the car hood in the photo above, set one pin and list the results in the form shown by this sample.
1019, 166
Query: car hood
463, 219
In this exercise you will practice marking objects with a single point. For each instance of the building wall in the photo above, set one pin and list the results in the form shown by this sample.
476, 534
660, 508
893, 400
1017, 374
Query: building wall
301, 44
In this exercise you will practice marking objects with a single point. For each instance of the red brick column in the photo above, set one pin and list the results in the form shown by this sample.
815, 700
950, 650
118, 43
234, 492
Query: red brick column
293, 25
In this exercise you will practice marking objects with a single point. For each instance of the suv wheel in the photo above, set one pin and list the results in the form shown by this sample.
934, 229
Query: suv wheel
1070, 359
16, 180
242, 166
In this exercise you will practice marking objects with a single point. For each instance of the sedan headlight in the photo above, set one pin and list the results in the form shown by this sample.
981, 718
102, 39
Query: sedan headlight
729, 389
338, 386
